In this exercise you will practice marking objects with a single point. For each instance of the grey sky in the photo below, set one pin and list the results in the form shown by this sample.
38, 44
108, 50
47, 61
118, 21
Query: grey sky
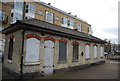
101, 14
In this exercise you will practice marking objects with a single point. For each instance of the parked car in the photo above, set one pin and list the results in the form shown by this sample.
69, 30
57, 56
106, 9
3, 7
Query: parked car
105, 53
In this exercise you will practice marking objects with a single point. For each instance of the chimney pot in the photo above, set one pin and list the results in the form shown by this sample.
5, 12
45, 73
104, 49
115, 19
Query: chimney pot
48, 3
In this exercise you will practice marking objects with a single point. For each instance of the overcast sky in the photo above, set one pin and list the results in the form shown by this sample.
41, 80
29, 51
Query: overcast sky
101, 14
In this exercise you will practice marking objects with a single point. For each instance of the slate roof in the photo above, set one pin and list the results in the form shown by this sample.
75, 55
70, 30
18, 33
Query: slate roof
42, 26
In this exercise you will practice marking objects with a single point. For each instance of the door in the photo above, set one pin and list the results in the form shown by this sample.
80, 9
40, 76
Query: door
48, 57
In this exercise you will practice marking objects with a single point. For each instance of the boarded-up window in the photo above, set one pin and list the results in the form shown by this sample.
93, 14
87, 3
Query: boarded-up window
87, 51
32, 50
10, 51
75, 51
62, 51
95, 51
101, 51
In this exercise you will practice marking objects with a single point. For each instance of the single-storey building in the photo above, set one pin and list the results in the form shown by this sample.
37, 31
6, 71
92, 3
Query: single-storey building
34, 48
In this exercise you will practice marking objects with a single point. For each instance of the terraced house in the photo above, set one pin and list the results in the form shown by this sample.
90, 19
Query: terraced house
41, 39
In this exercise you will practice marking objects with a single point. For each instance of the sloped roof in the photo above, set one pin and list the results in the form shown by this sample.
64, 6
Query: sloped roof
41, 26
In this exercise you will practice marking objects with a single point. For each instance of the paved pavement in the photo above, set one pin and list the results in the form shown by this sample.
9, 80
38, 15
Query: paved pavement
0, 71
109, 70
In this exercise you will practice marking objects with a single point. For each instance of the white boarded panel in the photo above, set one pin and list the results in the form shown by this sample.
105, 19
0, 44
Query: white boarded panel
32, 50
95, 51
87, 51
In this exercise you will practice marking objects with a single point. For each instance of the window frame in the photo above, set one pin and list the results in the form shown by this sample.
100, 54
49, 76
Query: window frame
87, 51
64, 22
95, 52
10, 49
75, 52
48, 17
60, 52
3, 1
30, 11
40, 12
57, 18
2, 15
101, 51
35, 61
79, 27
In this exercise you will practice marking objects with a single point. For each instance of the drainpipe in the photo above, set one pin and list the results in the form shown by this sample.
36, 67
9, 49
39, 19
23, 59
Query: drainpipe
24, 10
22, 54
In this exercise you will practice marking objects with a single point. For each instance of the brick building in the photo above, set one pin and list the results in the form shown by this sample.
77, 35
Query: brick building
35, 47
41, 39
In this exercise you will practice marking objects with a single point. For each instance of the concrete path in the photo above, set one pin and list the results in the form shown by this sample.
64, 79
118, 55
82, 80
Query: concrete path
109, 70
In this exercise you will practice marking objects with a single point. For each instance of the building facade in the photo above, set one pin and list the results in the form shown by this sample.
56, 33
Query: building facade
34, 47
15, 10
20, 10
41, 39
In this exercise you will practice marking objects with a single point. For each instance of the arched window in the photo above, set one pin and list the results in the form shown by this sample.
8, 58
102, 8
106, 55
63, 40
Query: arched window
62, 51
32, 50
49, 17
101, 51
87, 51
95, 51
10, 50
75, 51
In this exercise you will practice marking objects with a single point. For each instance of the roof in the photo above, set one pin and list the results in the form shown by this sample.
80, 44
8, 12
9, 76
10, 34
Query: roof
45, 27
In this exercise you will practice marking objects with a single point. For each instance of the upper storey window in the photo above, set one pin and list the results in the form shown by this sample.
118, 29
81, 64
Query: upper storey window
40, 12
79, 26
3, 1
17, 11
70, 24
64, 22
49, 17
89, 30
2, 15
30, 11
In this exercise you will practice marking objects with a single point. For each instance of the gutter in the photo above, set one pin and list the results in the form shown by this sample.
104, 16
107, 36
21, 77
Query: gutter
22, 55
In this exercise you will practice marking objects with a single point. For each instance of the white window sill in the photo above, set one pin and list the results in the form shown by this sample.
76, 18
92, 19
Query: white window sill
31, 63
9, 61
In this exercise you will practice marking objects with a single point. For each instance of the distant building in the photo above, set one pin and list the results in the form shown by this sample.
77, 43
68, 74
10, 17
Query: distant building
115, 48
107, 47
